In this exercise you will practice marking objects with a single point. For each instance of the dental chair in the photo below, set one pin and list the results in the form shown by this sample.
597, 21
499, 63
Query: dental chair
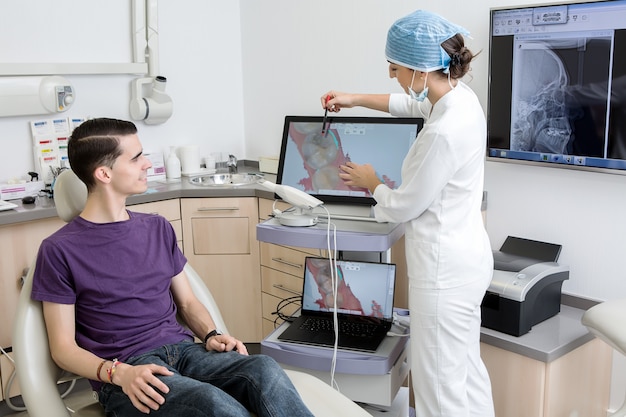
607, 321
38, 374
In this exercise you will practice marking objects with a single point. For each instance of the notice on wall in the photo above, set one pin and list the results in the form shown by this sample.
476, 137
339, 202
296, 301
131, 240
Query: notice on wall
50, 139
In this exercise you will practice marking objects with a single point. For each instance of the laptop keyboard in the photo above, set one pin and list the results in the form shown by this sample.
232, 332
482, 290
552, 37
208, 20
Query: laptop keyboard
348, 328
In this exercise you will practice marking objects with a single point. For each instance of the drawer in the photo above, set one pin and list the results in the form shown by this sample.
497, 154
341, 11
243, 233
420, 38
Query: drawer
219, 226
219, 207
170, 209
270, 304
286, 259
280, 284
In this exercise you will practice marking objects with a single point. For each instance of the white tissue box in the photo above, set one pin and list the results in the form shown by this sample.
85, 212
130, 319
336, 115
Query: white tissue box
20, 190
268, 164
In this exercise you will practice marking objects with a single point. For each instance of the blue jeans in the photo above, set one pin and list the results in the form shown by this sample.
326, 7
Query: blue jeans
217, 384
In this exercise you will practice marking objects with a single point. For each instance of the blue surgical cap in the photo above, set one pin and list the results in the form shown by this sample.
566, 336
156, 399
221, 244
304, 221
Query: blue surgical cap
414, 41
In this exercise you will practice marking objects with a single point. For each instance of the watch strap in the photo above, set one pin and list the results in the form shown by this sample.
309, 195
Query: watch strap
210, 334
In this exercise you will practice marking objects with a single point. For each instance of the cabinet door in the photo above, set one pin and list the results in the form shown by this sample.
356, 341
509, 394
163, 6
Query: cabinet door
575, 384
517, 382
19, 244
219, 240
578, 383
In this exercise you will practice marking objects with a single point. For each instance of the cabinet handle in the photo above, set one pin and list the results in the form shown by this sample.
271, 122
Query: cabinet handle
218, 208
282, 261
280, 287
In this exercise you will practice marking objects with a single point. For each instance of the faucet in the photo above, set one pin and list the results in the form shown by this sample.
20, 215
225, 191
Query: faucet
232, 164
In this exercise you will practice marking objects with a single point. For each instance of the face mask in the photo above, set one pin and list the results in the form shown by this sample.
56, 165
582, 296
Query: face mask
423, 94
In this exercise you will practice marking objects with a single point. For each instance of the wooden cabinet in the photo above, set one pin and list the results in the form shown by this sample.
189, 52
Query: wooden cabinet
576, 384
219, 240
19, 243
282, 269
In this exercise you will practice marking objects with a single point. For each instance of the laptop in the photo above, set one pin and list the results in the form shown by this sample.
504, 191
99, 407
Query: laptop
365, 293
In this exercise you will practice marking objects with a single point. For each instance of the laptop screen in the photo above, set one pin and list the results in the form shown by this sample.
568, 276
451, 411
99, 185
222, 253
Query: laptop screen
364, 288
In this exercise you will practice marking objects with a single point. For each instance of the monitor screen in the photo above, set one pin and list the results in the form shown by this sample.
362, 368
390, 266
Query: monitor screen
363, 288
557, 85
310, 159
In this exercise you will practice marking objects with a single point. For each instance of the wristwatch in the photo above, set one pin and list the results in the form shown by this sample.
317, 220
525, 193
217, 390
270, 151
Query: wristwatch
210, 334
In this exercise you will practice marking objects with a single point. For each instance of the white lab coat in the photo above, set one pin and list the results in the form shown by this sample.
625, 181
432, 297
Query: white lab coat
448, 254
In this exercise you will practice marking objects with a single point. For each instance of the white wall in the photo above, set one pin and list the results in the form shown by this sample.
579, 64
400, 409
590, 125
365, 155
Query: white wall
200, 55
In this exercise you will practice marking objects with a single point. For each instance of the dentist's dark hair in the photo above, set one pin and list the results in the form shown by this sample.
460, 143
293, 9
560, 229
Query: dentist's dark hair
95, 143
460, 56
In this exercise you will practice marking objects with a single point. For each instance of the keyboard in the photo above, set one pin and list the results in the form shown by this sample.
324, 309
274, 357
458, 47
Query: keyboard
6, 205
316, 324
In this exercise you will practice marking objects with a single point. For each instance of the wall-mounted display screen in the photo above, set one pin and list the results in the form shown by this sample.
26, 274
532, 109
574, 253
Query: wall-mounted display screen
310, 158
557, 85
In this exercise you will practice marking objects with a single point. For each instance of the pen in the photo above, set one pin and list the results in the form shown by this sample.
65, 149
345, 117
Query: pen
324, 131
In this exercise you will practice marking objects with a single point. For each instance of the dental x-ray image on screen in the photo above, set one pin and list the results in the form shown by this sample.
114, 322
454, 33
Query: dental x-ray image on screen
310, 159
557, 92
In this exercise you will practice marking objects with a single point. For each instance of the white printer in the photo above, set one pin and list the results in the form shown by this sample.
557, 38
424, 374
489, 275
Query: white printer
526, 286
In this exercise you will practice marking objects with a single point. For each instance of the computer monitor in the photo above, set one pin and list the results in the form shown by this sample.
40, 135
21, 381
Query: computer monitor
557, 85
310, 159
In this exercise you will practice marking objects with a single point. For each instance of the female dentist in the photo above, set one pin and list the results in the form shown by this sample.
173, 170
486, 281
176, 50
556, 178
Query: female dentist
449, 257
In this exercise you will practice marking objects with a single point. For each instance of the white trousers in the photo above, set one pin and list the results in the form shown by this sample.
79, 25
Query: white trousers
449, 378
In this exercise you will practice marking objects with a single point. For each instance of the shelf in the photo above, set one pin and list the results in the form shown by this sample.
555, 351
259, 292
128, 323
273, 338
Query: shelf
351, 235
23, 69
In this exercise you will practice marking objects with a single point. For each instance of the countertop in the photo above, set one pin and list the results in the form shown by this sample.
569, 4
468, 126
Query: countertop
157, 191
546, 341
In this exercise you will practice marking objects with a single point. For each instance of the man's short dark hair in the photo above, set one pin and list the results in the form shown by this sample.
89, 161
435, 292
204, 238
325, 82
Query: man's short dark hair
95, 143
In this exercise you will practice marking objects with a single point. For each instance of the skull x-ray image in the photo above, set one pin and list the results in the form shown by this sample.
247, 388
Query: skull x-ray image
546, 115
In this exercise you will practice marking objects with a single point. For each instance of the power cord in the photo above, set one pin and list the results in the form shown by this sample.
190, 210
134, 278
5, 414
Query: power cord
282, 304
332, 258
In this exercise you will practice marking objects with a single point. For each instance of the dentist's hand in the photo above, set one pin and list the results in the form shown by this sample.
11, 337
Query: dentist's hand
337, 101
356, 175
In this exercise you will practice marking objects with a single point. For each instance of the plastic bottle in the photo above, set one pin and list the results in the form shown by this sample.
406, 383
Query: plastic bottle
172, 166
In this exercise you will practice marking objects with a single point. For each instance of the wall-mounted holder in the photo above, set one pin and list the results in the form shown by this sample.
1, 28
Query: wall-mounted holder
22, 96
149, 102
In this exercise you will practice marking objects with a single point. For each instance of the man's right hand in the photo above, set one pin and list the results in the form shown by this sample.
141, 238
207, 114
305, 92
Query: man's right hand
141, 385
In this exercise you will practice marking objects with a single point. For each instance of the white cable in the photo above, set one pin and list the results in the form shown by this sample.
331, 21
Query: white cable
11, 380
332, 259
7, 389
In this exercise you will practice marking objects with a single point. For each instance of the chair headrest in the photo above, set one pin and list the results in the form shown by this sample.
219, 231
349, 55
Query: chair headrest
70, 195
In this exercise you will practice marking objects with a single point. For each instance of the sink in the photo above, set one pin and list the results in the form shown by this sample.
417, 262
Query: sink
225, 180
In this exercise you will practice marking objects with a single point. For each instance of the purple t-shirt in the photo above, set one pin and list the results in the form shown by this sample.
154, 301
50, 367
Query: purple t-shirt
118, 275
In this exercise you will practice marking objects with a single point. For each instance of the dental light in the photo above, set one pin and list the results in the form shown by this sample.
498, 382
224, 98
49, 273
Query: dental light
302, 203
